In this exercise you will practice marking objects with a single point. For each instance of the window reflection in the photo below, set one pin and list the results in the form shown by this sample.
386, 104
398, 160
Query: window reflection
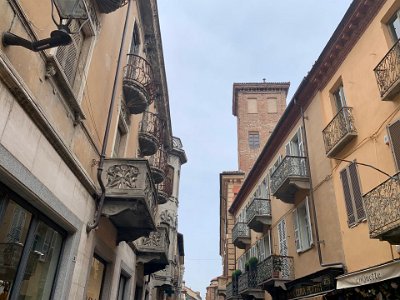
96, 277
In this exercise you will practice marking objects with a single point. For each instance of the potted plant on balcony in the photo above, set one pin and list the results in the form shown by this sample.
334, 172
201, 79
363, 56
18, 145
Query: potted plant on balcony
235, 279
252, 263
276, 266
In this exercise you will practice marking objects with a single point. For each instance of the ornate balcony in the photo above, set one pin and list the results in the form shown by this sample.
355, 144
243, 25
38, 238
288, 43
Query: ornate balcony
339, 132
138, 85
241, 235
164, 190
149, 133
259, 214
153, 251
289, 177
130, 201
387, 73
382, 207
158, 164
165, 279
107, 6
275, 268
248, 286
232, 291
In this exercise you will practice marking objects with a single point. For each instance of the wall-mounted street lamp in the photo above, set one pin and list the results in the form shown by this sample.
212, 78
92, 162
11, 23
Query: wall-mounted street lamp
68, 10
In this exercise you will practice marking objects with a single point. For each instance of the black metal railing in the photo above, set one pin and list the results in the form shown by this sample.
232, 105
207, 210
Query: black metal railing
107, 6
275, 267
387, 72
258, 207
291, 166
150, 129
158, 165
232, 290
164, 189
382, 207
247, 280
240, 230
340, 126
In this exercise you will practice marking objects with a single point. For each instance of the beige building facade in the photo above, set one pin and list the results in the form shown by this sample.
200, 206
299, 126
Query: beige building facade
89, 168
321, 201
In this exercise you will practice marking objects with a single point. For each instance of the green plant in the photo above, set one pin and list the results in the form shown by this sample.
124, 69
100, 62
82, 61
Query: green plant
252, 262
236, 274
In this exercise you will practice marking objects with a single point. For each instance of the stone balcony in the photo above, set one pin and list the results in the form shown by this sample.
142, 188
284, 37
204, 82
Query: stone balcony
290, 176
259, 214
130, 199
248, 287
152, 251
387, 73
138, 84
274, 270
339, 132
382, 207
149, 133
241, 235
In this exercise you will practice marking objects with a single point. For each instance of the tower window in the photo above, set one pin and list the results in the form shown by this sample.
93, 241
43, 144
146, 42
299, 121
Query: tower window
254, 139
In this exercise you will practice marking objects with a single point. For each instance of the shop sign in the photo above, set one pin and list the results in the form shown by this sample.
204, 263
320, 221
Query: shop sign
312, 286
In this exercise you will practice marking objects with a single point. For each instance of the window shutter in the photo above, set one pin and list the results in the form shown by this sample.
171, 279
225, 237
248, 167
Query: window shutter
394, 132
268, 244
357, 196
308, 223
282, 238
261, 250
347, 197
296, 230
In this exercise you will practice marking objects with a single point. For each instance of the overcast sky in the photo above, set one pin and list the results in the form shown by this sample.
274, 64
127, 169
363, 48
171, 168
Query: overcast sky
208, 45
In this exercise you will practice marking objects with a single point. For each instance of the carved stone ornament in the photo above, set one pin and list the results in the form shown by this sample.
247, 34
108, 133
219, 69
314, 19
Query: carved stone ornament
122, 176
168, 218
154, 240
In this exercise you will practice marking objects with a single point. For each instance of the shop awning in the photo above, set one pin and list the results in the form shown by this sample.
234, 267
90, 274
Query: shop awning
368, 276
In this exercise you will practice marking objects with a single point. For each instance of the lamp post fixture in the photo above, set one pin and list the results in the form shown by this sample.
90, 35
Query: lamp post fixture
67, 10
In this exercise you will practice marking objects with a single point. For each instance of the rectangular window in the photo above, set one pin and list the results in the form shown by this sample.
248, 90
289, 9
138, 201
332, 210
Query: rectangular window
296, 145
339, 98
252, 106
135, 43
394, 26
264, 247
302, 227
272, 105
352, 194
120, 138
122, 287
254, 139
96, 278
30, 250
264, 194
394, 133
282, 237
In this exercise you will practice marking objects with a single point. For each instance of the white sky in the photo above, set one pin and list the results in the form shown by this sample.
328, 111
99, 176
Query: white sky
209, 45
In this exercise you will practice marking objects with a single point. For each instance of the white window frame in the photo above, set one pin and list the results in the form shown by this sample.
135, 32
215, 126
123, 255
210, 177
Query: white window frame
302, 227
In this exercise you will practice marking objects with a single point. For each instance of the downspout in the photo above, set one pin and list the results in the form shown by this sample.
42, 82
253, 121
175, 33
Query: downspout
100, 198
311, 196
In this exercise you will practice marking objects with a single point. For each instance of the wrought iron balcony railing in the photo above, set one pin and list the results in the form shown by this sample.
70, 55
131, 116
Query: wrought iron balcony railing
164, 190
107, 6
247, 281
240, 235
382, 207
158, 164
387, 73
275, 267
150, 129
339, 131
232, 290
131, 196
290, 176
259, 214
138, 84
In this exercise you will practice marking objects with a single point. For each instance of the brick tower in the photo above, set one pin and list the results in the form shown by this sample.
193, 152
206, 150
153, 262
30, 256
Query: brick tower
258, 107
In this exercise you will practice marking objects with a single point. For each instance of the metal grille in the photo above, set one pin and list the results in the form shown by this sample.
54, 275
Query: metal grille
387, 72
139, 71
394, 131
240, 230
382, 206
275, 267
151, 124
258, 207
341, 125
247, 281
68, 56
291, 166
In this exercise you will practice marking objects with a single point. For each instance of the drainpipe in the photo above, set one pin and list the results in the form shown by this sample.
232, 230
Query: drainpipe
100, 198
311, 196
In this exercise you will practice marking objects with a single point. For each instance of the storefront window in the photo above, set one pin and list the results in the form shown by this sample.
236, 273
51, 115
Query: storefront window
96, 278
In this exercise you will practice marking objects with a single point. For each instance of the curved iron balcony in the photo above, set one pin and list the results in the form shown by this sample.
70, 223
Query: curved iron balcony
138, 84
382, 207
339, 132
164, 190
275, 268
248, 287
387, 73
158, 164
149, 133
289, 177
153, 251
130, 202
241, 235
259, 214
107, 6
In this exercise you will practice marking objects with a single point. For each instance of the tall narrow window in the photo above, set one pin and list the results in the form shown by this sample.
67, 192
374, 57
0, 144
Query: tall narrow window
96, 278
120, 138
135, 43
254, 140
394, 132
272, 105
394, 26
340, 100
122, 287
302, 227
352, 194
252, 106
283, 248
